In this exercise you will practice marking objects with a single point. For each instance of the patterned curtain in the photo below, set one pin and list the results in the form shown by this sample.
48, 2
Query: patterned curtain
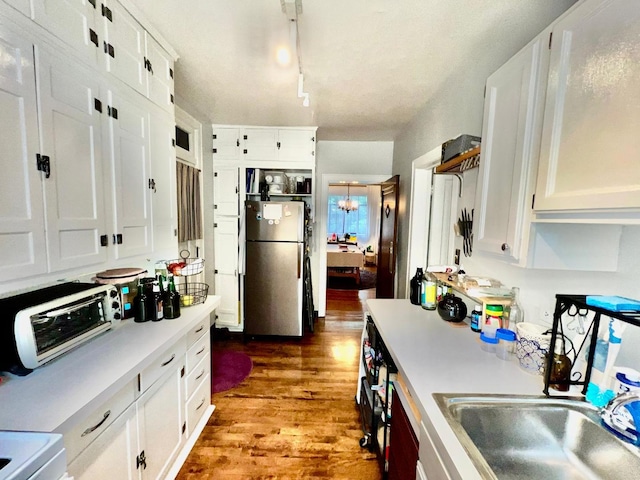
189, 207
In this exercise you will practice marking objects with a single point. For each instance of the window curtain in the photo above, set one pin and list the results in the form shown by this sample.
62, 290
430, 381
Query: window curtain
189, 206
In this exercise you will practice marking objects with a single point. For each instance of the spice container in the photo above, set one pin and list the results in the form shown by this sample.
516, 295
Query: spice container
506, 343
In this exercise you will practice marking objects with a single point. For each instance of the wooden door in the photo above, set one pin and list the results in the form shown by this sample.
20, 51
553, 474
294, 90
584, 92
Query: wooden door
387, 251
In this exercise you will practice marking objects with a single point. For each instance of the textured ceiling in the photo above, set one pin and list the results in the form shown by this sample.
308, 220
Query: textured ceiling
368, 65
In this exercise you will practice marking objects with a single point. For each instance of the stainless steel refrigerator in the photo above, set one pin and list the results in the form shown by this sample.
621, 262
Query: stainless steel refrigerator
274, 268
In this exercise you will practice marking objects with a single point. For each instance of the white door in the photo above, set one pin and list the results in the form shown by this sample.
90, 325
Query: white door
296, 145
76, 22
125, 49
111, 455
510, 138
71, 137
22, 231
259, 143
225, 244
160, 74
226, 144
163, 192
131, 175
225, 191
161, 422
589, 155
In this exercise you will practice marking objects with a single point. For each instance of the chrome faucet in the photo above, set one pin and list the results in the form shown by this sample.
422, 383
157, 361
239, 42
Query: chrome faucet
623, 422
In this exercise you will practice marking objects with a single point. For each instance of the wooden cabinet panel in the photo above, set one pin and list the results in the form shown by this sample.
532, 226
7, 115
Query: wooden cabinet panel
225, 191
403, 444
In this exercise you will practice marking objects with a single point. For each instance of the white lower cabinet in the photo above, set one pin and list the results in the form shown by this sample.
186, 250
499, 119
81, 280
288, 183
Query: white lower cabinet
143, 441
198, 375
429, 459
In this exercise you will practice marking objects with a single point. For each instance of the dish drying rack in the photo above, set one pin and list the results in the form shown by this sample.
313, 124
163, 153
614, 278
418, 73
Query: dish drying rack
576, 306
191, 293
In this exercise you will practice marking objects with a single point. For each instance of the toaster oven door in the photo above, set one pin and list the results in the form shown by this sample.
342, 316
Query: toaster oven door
42, 336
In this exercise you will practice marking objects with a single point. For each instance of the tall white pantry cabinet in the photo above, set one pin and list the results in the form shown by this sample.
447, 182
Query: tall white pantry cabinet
237, 151
88, 152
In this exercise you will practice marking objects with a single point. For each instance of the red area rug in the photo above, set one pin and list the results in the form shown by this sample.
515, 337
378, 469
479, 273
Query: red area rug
228, 369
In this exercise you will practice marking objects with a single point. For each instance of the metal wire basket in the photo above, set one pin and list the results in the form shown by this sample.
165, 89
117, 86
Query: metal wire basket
186, 265
192, 293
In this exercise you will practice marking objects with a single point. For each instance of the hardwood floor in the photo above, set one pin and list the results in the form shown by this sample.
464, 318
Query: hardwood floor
295, 416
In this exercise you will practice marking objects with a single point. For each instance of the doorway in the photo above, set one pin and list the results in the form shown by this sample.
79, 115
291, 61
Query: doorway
324, 233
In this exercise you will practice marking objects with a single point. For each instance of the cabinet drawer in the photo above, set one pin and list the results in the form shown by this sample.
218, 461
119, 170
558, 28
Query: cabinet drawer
162, 364
87, 430
198, 404
197, 375
197, 352
196, 332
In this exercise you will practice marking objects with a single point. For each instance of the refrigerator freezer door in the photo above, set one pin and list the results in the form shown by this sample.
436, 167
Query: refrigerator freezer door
273, 289
275, 221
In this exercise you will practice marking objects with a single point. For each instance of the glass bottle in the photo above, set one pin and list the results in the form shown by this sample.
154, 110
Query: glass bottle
516, 314
416, 286
429, 287
140, 304
157, 292
171, 308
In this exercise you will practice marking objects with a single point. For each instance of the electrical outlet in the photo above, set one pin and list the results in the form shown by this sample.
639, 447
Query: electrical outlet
456, 257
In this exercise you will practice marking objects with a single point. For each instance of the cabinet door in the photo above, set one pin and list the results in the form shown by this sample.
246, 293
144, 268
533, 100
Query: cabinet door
163, 194
23, 6
296, 145
22, 231
589, 152
125, 50
112, 454
130, 172
259, 143
226, 273
75, 22
71, 137
225, 191
403, 444
161, 423
226, 144
510, 136
160, 74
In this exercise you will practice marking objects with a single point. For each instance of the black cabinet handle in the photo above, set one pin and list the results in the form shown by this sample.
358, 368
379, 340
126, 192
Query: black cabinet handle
168, 361
95, 427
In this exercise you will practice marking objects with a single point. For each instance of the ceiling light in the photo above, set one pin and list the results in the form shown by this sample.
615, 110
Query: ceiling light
347, 204
283, 56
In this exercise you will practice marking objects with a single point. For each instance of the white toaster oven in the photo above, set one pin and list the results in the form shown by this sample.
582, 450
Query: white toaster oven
43, 324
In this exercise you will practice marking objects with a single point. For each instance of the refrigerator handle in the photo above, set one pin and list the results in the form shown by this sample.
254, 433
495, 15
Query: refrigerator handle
300, 247
242, 243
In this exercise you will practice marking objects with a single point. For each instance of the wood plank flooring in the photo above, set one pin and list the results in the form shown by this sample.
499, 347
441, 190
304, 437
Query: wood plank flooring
295, 416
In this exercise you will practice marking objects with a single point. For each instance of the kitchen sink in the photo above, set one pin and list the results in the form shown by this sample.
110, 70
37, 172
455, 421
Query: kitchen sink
509, 437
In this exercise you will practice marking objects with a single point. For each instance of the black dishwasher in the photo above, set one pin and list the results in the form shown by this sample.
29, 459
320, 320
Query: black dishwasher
376, 393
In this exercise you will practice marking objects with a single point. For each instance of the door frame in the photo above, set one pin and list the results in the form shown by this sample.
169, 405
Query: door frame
419, 210
327, 179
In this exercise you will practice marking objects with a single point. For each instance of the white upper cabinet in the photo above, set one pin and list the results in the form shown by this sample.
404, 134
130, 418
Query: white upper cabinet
160, 74
163, 177
589, 154
22, 231
78, 23
71, 137
23, 6
125, 48
131, 174
226, 143
259, 143
296, 145
510, 140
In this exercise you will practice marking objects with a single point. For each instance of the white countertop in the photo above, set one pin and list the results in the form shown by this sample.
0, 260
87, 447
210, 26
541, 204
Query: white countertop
79, 381
435, 356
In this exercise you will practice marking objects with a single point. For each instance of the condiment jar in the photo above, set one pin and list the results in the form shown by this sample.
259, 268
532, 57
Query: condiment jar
506, 343
492, 320
488, 344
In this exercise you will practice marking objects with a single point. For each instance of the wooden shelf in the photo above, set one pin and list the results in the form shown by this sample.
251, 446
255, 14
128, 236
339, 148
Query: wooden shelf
463, 162
443, 278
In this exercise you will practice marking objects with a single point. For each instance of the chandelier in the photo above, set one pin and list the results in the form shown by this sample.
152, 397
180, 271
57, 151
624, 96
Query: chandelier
347, 204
